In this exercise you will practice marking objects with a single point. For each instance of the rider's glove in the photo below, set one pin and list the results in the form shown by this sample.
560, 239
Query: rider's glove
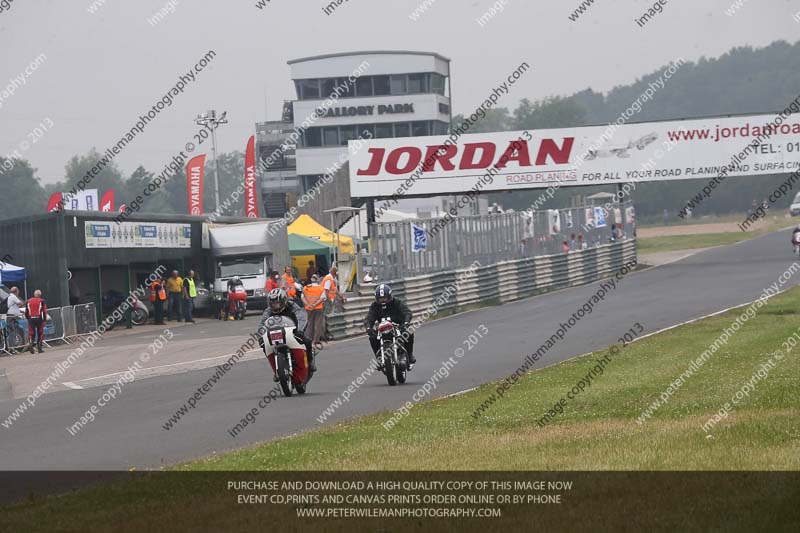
372, 333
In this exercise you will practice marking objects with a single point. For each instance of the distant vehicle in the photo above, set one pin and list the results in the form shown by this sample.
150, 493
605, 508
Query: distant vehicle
622, 151
252, 270
794, 209
243, 250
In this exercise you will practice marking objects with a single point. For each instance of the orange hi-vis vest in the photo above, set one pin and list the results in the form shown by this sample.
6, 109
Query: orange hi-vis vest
162, 294
332, 290
314, 297
288, 282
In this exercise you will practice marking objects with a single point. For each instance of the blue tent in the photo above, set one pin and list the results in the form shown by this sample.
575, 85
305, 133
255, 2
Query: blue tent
13, 274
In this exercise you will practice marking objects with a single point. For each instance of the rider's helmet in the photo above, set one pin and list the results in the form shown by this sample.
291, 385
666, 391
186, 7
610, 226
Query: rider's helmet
277, 300
383, 294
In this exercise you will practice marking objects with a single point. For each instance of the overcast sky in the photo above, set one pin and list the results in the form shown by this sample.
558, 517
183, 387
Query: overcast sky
105, 69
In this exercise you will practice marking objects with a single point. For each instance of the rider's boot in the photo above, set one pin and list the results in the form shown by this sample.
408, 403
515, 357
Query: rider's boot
30, 348
411, 361
40, 347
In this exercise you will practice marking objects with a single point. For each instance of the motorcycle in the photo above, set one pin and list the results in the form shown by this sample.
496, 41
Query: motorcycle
286, 355
392, 357
796, 243
238, 300
113, 300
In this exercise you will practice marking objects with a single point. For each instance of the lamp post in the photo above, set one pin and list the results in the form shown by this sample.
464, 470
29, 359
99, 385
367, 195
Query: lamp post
211, 121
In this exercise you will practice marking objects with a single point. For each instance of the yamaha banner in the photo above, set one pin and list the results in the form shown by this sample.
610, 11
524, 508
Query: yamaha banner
195, 170
250, 186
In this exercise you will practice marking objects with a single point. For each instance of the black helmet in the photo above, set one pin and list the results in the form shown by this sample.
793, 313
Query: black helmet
277, 300
383, 294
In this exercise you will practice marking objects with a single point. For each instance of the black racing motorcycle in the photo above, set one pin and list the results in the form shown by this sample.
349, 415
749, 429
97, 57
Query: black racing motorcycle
392, 358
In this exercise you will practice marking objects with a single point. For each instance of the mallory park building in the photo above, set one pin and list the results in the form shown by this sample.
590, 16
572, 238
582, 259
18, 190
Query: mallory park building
368, 95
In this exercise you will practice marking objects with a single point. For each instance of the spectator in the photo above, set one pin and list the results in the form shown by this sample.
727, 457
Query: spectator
189, 294
287, 283
273, 281
581, 243
174, 291
572, 244
335, 300
314, 301
565, 247
311, 271
157, 297
14, 303
36, 313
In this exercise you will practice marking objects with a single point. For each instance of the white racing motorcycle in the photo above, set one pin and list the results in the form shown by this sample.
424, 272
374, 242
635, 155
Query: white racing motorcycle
286, 354
392, 357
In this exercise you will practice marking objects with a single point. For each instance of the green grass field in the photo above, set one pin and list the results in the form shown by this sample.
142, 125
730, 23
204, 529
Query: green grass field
649, 245
597, 430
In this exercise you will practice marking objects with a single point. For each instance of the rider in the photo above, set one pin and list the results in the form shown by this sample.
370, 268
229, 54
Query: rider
796, 238
386, 306
235, 292
279, 304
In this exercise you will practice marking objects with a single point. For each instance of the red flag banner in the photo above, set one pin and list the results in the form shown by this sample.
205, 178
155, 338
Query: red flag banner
195, 169
54, 203
250, 188
107, 201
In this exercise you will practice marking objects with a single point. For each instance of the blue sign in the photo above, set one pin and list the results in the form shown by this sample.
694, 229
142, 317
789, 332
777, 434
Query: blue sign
101, 230
599, 217
419, 238
148, 231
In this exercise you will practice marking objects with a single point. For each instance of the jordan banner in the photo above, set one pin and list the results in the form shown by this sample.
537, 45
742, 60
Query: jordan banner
250, 188
195, 170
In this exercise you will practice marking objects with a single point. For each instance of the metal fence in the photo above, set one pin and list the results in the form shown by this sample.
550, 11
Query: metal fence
458, 242
62, 324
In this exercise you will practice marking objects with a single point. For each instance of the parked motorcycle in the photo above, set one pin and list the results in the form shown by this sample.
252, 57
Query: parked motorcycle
286, 355
113, 300
392, 357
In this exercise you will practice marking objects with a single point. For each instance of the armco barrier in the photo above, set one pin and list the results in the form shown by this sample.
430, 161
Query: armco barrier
491, 284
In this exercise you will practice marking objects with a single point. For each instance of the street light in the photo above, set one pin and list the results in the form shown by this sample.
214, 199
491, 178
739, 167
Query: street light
210, 119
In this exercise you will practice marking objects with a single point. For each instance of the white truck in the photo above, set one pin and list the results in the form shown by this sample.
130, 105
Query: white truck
242, 250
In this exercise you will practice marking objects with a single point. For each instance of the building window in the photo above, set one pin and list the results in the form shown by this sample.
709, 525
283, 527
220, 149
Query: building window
382, 85
328, 87
364, 86
346, 88
399, 84
313, 137
444, 109
402, 129
420, 129
366, 131
383, 131
437, 84
417, 83
347, 133
330, 136
440, 128
308, 89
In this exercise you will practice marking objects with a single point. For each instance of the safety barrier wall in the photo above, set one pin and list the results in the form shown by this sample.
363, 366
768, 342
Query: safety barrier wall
506, 281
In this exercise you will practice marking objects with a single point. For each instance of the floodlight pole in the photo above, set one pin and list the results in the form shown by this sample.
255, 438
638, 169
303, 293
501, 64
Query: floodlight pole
211, 119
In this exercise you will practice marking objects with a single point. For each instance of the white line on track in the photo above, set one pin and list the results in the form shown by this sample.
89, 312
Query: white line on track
71, 385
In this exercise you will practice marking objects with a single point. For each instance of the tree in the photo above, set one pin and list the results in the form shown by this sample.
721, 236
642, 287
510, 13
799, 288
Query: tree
22, 193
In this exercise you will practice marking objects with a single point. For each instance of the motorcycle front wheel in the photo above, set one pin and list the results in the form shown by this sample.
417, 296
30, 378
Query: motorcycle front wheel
138, 317
284, 377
